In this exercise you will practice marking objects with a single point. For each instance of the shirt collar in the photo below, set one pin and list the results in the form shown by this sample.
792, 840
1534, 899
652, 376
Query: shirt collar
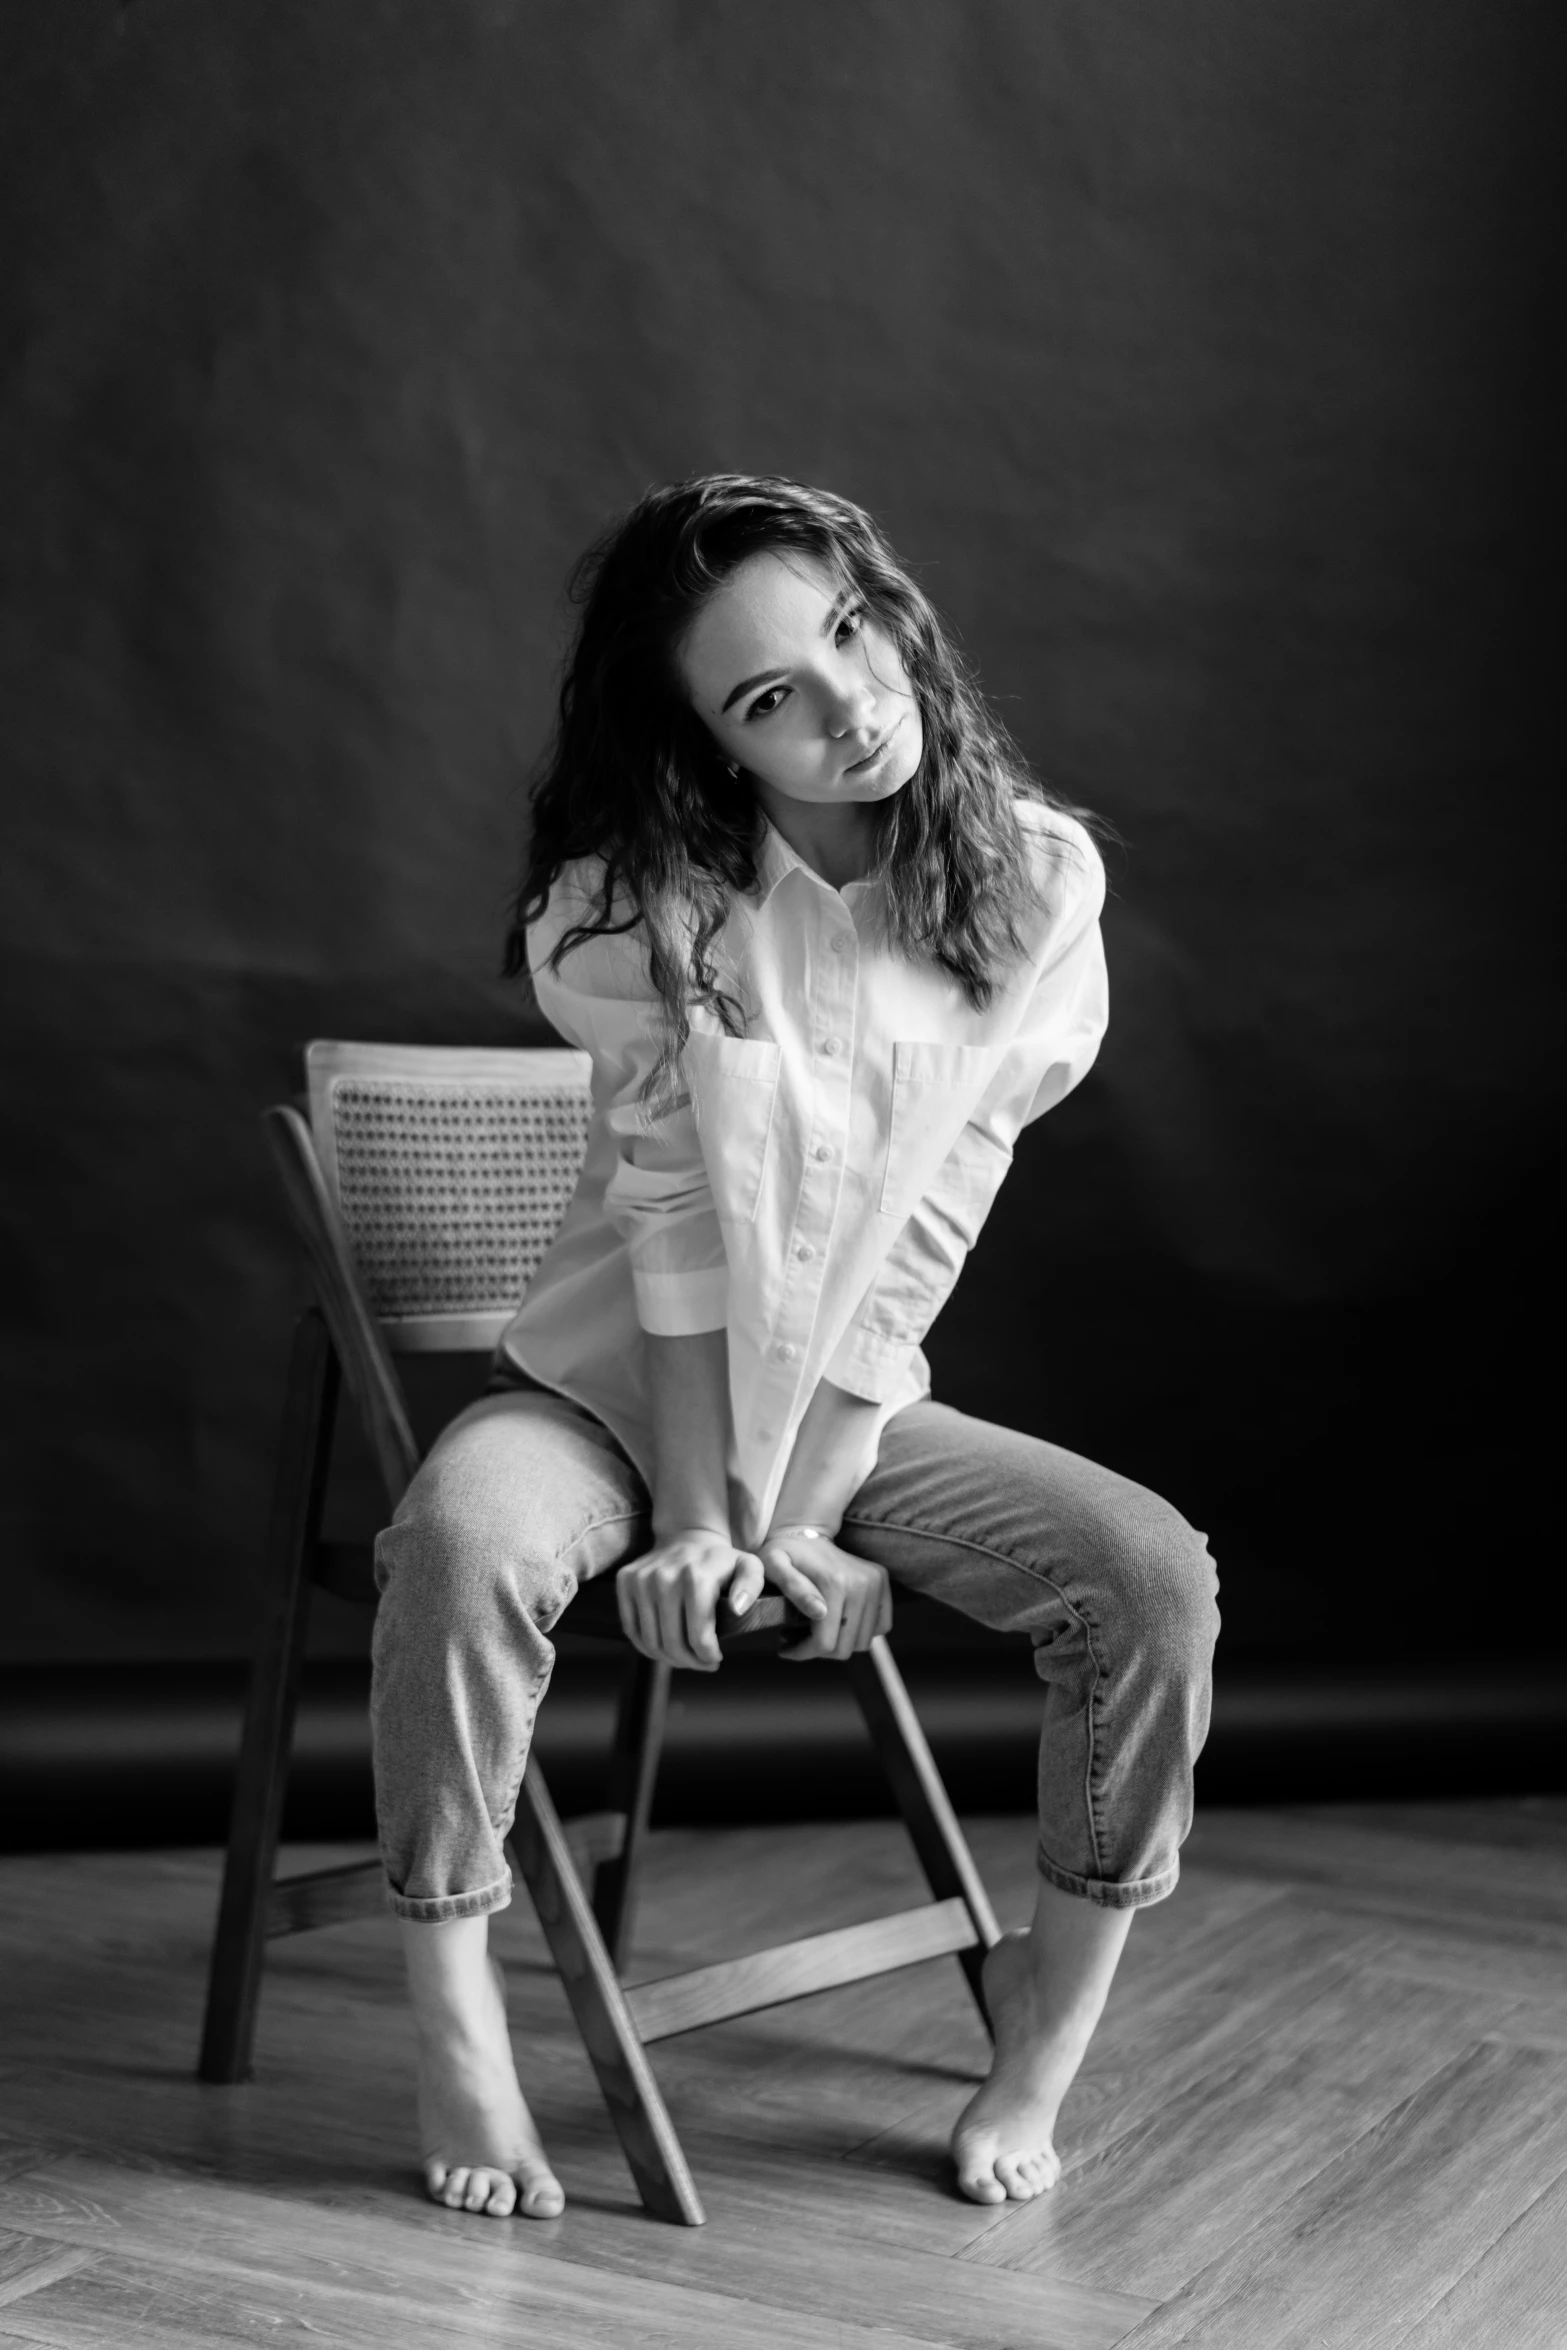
775, 860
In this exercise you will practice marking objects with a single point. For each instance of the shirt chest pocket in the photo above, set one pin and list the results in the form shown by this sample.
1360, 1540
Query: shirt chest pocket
934, 1087
734, 1086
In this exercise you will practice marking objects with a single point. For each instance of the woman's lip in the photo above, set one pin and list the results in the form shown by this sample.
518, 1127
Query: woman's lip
871, 757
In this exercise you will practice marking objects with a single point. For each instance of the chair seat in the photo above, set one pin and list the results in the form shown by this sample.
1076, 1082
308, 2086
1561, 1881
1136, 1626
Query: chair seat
347, 1570
773, 1622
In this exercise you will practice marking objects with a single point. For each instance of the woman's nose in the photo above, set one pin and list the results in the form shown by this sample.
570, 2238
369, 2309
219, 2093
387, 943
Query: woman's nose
853, 704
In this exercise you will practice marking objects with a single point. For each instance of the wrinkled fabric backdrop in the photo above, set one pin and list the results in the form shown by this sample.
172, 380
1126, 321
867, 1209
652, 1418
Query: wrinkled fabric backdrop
1195, 359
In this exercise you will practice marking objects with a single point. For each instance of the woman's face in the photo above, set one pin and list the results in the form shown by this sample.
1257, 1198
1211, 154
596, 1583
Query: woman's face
800, 687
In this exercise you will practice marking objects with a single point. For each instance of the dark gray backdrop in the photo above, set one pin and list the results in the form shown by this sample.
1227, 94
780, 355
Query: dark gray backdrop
1194, 356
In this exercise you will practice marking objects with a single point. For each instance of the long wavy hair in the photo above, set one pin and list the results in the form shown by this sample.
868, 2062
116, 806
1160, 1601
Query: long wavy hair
633, 778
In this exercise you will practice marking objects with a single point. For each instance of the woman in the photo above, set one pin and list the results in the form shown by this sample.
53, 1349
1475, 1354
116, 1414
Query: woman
830, 947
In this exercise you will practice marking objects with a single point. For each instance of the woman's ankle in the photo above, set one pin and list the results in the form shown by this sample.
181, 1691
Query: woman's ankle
447, 1965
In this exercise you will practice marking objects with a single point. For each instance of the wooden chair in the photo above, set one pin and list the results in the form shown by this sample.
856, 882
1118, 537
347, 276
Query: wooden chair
426, 1186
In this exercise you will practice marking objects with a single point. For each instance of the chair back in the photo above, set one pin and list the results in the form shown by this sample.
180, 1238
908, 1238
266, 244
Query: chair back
426, 1187
450, 1171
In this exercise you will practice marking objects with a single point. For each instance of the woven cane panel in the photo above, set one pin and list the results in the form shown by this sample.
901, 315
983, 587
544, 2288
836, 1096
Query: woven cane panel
451, 1194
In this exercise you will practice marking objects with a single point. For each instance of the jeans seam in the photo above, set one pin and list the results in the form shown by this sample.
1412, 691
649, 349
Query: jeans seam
615, 1518
508, 1812
1079, 1615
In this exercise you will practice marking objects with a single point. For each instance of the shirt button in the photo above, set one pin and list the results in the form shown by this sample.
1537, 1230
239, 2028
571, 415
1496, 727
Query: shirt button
821, 1151
833, 1047
787, 1353
840, 945
805, 1252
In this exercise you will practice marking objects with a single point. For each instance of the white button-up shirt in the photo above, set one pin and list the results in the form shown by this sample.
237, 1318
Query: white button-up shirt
819, 1180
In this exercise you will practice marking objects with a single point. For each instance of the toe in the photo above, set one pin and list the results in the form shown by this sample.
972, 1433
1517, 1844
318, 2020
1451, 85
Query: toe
978, 2181
501, 2201
543, 2196
434, 2180
455, 2189
1009, 2170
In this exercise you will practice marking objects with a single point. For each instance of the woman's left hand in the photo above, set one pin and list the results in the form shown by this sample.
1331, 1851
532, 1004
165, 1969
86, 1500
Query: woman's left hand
857, 1594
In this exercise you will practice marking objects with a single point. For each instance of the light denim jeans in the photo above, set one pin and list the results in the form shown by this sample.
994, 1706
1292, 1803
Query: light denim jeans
526, 1495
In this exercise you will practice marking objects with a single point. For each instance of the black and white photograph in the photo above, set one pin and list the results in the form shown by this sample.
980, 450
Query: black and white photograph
782, 1163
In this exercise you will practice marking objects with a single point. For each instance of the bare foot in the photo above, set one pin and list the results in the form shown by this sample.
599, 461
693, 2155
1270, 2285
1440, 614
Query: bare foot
1046, 1991
1002, 2144
481, 2150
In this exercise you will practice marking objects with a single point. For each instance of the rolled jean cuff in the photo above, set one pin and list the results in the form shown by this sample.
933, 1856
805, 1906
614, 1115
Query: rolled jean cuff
435, 1912
1105, 1895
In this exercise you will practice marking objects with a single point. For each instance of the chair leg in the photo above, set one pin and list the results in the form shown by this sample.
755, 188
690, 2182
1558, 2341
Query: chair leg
924, 1802
234, 1982
613, 2043
633, 1774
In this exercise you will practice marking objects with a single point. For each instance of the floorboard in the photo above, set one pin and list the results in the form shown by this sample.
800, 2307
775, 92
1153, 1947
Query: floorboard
1405, 2211
1516, 2292
1328, 2104
28, 2263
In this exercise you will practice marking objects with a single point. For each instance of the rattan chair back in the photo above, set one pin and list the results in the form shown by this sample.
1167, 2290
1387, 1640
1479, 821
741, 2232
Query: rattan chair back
450, 1171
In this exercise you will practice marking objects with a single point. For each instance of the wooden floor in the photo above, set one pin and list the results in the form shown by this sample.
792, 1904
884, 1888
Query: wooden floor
1328, 2106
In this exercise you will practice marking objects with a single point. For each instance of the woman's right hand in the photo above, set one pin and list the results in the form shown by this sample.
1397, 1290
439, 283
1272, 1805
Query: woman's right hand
668, 1598
853, 1596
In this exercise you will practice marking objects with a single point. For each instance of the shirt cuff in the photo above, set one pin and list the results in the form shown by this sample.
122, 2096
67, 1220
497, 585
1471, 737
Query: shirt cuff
868, 1366
679, 1305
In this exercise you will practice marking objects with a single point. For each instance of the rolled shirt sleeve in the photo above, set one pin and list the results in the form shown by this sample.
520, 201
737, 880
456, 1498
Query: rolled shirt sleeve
1063, 1017
658, 1197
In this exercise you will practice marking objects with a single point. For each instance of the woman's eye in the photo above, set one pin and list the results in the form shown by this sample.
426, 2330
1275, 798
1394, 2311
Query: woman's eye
851, 624
766, 703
